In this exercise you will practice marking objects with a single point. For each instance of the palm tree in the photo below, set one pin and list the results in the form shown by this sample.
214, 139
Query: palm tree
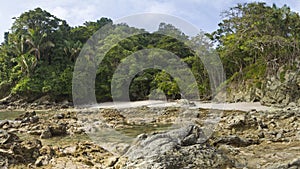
37, 43
24, 59
72, 49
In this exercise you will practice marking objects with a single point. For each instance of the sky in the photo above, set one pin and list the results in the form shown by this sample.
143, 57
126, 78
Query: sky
203, 14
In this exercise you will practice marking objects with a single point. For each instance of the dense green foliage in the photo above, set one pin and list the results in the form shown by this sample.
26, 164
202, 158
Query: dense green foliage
37, 57
257, 38
39, 54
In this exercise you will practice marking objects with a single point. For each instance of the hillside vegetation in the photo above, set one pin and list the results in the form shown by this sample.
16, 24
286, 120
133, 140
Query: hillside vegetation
258, 46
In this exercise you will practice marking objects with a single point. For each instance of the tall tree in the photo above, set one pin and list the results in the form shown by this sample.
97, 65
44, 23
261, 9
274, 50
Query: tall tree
42, 31
254, 32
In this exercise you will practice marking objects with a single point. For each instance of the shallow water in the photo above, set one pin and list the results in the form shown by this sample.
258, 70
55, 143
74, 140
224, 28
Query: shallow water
126, 134
9, 115
136, 130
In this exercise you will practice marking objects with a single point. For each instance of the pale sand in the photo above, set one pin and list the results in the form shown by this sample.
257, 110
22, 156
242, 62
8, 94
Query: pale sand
242, 106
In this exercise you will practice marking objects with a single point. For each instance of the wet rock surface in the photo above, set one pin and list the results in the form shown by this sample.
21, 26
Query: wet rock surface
58, 139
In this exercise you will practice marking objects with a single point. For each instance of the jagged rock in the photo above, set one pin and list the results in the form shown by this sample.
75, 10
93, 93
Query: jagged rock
276, 89
193, 156
7, 100
178, 148
28, 117
46, 134
295, 162
42, 160
16, 151
235, 141
54, 130
160, 143
8, 138
236, 121
58, 129
292, 164
240, 140
4, 122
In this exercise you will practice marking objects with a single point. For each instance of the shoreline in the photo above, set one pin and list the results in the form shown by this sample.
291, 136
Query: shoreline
238, 106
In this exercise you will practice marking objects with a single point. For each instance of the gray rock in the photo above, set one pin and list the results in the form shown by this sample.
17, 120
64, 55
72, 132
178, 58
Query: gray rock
162, 142
178, 148
46, 134
8, 138
235, 141
185, 157
58, 130
4, 122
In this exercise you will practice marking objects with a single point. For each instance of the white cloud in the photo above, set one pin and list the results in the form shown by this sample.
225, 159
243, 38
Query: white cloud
75, 15
161, 7
60, 12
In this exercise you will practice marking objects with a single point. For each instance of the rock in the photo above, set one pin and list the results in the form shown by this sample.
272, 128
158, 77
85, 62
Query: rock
236, 121
26, 114
18, 151
240, 140
8, 138
295, 162
47, 150
34, 119
261, 134
65, 115
39, 161
83, 155
6, 100
235, 141
7, 126
28, 117
111, 161
292, 164
58, 129
193, 156
42, 160
35, 132
69, 150
3, 162
292, 104
46, 134
59, 116
278, 90
4, 122
160, 143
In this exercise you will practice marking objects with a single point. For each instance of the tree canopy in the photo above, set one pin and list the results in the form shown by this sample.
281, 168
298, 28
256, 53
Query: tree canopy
38, 55
254, 33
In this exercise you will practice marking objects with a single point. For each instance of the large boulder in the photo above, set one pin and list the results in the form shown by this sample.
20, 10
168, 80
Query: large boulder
180, 148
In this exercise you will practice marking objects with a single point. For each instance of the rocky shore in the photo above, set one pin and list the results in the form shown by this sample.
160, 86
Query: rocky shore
152, 137
15, 102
